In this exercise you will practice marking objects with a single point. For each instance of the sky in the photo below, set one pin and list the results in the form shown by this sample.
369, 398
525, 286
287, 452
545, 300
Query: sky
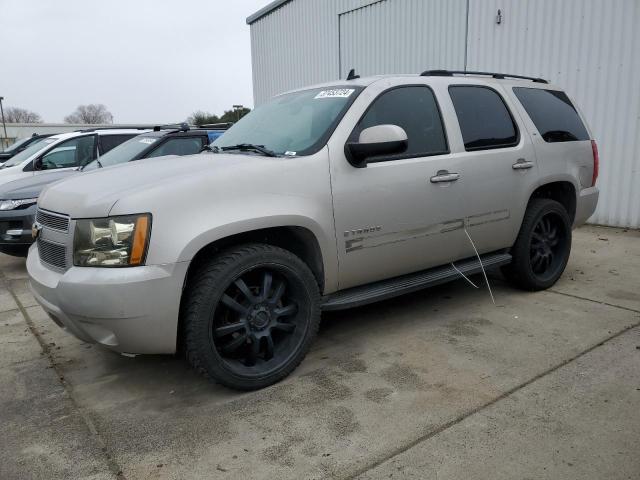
148, 61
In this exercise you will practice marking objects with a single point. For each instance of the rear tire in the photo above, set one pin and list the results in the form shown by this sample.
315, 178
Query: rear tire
542, 249
250, 315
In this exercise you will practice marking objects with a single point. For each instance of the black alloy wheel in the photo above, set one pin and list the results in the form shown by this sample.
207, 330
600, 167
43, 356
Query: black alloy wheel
250, 315
256, 322
543, 246
548, 245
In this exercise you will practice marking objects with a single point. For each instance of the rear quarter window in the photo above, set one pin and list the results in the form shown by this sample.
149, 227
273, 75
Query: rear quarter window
553, 114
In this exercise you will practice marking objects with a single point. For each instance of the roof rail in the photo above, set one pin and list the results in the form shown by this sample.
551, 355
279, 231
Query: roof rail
122, 127
501, 76
219, 126
183, 127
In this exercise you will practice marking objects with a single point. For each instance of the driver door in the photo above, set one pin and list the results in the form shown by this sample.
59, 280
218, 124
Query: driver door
69, 154
394, 217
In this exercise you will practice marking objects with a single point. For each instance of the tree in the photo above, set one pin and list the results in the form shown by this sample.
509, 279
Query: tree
203, 118
234, 115
21, 115
91, 114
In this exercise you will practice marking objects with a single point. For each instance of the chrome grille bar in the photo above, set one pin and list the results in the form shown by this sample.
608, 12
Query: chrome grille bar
54, 221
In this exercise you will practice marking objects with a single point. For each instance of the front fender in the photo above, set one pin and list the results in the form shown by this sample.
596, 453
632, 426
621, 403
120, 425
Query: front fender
326, 243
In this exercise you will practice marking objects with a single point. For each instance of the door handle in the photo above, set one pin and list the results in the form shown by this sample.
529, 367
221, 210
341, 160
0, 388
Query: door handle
443, 176
522, 164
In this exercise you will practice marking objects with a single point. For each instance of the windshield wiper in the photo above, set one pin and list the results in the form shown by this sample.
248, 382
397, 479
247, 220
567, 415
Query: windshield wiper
245, 147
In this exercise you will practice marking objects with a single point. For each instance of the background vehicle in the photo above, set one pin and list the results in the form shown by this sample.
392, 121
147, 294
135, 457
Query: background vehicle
65, 151
18, 197
20, 144
162, 141
327, 197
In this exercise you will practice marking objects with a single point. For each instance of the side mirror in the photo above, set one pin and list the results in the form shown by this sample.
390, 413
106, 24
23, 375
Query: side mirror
375, 141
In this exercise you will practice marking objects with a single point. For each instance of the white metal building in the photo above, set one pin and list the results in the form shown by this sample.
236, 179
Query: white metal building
591, 48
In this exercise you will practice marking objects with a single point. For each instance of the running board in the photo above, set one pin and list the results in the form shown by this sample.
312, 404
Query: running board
357, 296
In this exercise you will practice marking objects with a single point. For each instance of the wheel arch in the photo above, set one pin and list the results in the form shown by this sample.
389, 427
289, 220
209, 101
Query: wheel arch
299, 240
562, 191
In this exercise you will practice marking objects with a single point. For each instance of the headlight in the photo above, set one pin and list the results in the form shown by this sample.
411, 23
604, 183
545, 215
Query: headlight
13, 204
112, 242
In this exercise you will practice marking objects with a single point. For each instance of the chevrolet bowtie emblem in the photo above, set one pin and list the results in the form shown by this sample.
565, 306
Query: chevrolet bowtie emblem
35, 230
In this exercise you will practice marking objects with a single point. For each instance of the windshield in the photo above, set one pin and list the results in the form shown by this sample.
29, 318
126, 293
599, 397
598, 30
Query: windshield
124, 152
27, 152
297, 123
17, 144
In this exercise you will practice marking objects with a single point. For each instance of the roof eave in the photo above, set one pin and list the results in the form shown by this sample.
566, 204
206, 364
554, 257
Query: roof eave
265, 10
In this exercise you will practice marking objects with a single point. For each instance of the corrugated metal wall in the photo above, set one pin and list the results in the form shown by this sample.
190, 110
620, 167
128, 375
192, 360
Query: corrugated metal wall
312, 41
589, 47
592, 49
432, 34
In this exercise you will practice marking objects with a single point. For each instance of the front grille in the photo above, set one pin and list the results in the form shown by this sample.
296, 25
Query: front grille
53, 254
54, 221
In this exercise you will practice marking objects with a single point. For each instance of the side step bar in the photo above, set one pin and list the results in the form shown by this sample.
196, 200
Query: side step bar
384, 289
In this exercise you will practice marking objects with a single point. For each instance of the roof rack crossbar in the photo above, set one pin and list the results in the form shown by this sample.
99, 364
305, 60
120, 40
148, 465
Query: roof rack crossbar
219, 125
124, 127
501, 76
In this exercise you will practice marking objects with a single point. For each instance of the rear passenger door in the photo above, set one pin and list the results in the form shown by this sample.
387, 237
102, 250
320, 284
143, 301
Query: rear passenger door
498, 165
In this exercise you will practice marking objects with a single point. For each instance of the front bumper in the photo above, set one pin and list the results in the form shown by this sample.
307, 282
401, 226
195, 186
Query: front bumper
129, 310
15, 227
586, 204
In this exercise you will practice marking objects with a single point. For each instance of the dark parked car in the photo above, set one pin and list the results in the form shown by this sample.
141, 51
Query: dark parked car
18, 198
20, 144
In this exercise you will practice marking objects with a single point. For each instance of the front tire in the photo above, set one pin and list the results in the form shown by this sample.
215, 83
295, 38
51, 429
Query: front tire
250, 315
542, 249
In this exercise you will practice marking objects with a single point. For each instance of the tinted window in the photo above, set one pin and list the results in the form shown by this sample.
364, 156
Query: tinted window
416, 111
72, 153
178, 146
553, 114
107, 142
484, 119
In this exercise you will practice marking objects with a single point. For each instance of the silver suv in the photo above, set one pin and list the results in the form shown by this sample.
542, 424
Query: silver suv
324, 198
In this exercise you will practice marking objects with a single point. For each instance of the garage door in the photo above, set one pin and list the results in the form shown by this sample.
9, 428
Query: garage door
422, 34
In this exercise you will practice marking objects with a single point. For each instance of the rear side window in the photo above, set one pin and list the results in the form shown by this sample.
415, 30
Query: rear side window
414, 109
178, 146
485, 120
108, 142
553, 114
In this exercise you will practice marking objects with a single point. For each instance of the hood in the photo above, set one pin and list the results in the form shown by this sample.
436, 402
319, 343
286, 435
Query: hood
12, 174
93, 194
32, 185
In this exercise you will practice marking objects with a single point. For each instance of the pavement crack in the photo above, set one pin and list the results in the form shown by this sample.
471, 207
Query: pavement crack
600, 302
445, 426
46, 348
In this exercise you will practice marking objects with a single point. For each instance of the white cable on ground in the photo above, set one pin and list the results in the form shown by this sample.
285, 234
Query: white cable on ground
464, 276
481, 266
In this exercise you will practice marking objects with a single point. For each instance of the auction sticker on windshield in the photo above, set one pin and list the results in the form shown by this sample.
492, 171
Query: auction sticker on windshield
335, 93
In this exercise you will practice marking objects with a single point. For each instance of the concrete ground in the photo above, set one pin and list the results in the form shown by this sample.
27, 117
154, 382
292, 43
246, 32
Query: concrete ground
438, 384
